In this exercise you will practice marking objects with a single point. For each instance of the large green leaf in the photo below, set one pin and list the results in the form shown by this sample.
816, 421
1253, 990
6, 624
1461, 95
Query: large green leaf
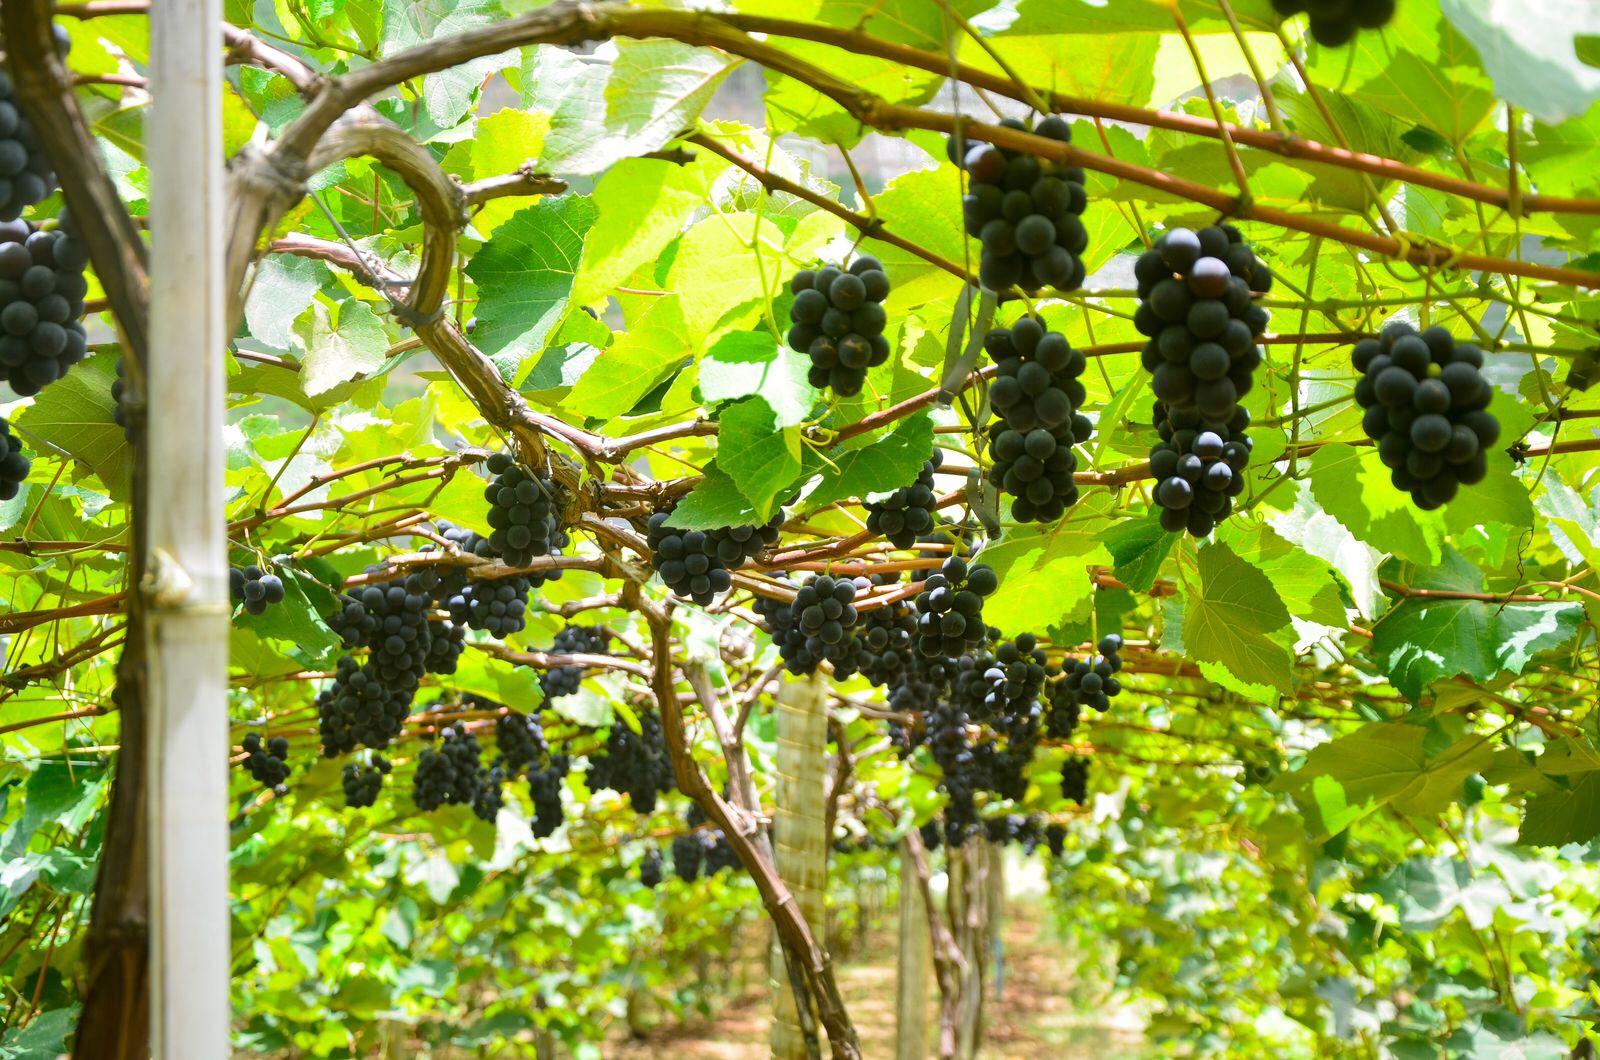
762, 459
1236, 619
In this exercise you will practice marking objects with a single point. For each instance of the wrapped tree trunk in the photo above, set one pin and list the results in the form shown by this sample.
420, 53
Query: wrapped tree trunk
997, 911
968, 900
799, 836
911, 980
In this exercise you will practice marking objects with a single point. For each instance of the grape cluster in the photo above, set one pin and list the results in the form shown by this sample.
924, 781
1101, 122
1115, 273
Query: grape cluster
520, 740
907, 513
887, 636
452, 774
119, 405
524, 512
496, 605
544, 789
1427, 408
14, 463
267, 764
491, 793
390, 618
1075, 780
255, 589
41, 303
701, 851
1335, 22
1198, 467
1196, 309
26, 176
448, 641
634, 763
1025, 211
1035, 395
650, 868
362, 783
583, 640
359, 708
950, 608
838, 322
818, 625
696, 563
1080, 683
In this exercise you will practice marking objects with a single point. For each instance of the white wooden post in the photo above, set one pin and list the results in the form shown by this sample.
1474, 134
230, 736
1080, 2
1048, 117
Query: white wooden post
187, 631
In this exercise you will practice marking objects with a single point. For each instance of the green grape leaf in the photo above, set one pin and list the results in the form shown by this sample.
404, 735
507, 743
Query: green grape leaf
1234, 617
760, 457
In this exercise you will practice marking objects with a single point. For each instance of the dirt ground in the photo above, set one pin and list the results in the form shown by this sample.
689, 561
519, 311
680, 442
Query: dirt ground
1042, 1010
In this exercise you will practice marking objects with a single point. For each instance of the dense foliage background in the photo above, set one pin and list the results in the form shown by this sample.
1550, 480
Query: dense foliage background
1346, 802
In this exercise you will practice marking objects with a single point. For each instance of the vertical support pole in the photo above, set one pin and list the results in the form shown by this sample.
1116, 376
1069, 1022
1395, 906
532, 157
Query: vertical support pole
911, 977
799, 840
997, 916
186, 585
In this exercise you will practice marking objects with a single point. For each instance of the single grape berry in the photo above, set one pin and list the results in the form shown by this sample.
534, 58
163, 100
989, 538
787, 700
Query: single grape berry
14, 463
1025, 212
907, 514
1426, 406
838, 321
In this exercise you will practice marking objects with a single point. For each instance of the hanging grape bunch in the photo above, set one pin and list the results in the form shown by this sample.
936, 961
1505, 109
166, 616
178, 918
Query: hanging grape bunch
524, 512
950, 608
582, 640
1335, 22
1075, 780
838, 322
1025, 212
362, 783
650, 868
14, 463
495, 605
1198, 468
26, 176
817, 625
520, 740
452, 774
888, 638
255, 589
1427, 408
119, 402
907, 513
544, 790
1090, 682
1196, 309
1035, 394
634, 763
41, 304
267, 764
697, 563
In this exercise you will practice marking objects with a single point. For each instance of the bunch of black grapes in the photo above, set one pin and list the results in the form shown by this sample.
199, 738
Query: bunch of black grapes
520, 740
1335, 22
491, 793
1080, 683
650, 868
496, 605
362, 783
41, 303
697, 563
838, 322
524, 512
448, 641
14, 463
544, 789
1035, 395
701, 851
634, 763
1196, 308
451, 774
119, 402
1198, 468
254, 588
26, 176
950, 608
1427, 408
818, 625
267, 763
1025, 211
1075, 780
359, 709
907, 514
887, 636
583, 640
